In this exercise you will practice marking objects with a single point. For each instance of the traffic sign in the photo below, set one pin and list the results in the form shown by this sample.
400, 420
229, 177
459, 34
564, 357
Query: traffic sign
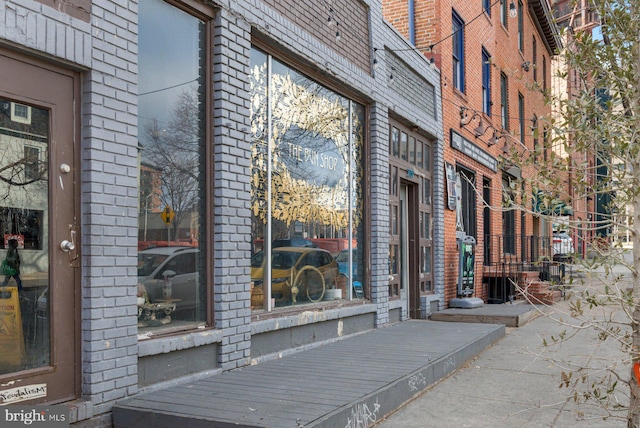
167, 214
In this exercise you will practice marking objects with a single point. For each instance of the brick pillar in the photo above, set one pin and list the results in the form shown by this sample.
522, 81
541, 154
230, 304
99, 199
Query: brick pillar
232, 216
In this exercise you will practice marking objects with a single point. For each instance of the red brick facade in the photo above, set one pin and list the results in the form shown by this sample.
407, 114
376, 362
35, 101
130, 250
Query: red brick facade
523, 72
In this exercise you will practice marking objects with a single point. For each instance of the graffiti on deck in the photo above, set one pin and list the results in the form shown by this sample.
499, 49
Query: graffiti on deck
450, 364
362, 416
417, 382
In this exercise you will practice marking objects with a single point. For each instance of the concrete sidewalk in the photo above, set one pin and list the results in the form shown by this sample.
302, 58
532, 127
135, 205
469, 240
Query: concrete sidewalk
516, 382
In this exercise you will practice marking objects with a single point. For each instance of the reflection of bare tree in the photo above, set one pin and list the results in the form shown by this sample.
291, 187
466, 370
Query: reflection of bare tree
175, 151
15, 173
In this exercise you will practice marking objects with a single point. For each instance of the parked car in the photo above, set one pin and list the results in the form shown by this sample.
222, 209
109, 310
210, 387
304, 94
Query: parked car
172, 267
293, 242
562, 246
286, 265
343, 262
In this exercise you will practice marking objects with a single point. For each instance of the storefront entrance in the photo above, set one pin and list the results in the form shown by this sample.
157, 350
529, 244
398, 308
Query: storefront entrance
39, 236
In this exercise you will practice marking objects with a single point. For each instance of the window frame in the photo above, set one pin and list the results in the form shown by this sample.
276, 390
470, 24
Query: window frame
504, 14
457, 51
521, 115
486, 82
504, 101
207, 15
486, 6
520, 27
534, 58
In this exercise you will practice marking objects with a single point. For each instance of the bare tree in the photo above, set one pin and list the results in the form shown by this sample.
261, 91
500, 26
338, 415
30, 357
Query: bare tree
590, 159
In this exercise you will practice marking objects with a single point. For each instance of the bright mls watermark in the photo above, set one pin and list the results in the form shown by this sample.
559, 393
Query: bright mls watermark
34, 416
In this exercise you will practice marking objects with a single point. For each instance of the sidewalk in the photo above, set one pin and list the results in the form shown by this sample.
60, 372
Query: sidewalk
348, 383
516, 382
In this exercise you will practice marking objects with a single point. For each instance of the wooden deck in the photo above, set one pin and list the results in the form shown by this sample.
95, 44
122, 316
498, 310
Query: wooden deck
348, 383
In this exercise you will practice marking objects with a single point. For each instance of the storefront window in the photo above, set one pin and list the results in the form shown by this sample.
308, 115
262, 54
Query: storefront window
171, 134
306, 188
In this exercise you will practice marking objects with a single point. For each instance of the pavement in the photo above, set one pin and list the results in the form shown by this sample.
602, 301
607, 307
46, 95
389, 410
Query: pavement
417, 374
522, 380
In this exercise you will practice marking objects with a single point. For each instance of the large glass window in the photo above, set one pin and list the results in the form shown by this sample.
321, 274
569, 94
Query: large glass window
306, 188
171, 134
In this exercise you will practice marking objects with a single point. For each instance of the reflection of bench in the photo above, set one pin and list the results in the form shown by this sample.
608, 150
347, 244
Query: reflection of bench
155, 314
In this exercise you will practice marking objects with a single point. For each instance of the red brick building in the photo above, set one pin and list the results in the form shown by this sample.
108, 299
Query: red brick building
495, 62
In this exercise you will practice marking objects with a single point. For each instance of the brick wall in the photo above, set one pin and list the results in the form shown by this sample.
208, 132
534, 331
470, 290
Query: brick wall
325, 19
105, 47
109, 206
433, 27
232, 214
80, 9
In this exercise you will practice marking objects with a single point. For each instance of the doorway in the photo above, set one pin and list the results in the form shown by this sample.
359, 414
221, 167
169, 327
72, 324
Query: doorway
409, 249
39, 212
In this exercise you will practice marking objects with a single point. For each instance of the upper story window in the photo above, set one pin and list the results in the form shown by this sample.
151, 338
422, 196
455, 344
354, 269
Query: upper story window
486, 5
504, 13
486, 82
521, 116
544, 73
534, 59
520, 27
504, 101
458, 52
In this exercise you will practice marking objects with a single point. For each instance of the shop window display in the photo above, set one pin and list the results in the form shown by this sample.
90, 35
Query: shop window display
306, 175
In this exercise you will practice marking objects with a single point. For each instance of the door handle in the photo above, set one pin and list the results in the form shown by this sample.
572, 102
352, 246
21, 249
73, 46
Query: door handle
69, 246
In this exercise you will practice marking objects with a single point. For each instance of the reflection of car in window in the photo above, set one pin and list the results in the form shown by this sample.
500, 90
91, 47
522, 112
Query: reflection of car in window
286, 263
292, 242
178, 265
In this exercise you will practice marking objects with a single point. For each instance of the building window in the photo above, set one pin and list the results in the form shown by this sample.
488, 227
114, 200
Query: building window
458, 52
544, 73
486, 5
486, 82
466, 216
521, 116
508, 218
504, 13
504, 101
306, 186
520, 27
535, 133
534, 58
172, 137
21, 113
32, 164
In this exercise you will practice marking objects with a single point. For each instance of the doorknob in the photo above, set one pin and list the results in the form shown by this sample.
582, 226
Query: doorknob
67, 246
